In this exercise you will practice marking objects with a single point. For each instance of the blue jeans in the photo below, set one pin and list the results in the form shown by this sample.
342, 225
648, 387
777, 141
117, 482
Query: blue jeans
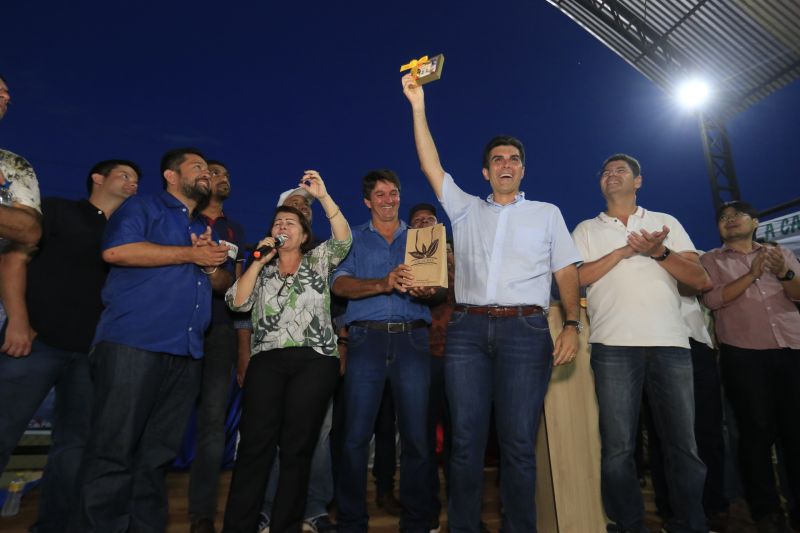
142, 403
404, 358
320, 481
620, 374
507, 361
24, 383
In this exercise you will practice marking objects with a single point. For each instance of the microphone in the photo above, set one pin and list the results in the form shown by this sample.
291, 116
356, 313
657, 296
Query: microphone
261, 251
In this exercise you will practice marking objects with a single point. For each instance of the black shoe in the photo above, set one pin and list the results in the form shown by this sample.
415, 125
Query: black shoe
204, 525
389, 504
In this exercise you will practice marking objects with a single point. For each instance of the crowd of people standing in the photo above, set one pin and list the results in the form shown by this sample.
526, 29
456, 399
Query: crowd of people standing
140, 309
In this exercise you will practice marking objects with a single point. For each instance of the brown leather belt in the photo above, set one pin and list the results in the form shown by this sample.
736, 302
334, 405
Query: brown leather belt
500, 311
390, 327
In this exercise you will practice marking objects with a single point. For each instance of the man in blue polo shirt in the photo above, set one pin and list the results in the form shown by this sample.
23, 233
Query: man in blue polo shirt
388, 338
499, 350
147, 347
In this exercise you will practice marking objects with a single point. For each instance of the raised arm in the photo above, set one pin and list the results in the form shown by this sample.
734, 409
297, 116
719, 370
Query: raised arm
426, 148
313, 183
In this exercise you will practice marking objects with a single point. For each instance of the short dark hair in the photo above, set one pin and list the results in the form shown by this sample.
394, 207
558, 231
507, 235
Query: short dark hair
632, 162
304, 223
737, 205
3, 78
210, 162
105, 167
369, 181
421, 207
503, 140
173, 159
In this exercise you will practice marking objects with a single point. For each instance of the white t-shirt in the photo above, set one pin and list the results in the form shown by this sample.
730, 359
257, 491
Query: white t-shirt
637, 302
697, 319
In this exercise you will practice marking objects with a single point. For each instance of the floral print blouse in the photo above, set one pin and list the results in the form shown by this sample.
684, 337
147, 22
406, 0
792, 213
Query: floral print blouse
294, 310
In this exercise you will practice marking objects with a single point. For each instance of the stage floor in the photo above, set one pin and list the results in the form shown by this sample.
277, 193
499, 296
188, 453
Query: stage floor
380, 522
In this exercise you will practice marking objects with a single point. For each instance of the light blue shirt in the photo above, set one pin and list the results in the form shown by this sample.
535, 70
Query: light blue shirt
505, 254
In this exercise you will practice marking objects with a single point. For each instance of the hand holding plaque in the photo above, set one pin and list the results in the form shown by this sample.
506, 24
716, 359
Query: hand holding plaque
425, 70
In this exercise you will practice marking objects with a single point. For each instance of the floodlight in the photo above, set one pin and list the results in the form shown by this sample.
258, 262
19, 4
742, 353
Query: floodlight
693, 93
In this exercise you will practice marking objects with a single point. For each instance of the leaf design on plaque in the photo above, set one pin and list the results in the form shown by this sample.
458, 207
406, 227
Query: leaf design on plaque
425, 251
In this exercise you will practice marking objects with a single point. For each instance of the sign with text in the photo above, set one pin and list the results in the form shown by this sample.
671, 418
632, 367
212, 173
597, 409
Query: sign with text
784, 230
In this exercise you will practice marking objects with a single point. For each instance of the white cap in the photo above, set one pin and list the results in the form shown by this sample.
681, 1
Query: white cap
292, 192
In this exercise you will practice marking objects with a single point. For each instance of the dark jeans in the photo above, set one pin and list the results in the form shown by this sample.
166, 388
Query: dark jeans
438, 412
142, 403
24, 383
374, 355
508, 362
620, 374
763, 387
286, 395
708, 433
385, 463
218, 363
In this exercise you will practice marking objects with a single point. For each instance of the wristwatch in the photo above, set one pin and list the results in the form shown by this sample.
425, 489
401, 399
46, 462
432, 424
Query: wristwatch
662, 256
789, 276
576, 323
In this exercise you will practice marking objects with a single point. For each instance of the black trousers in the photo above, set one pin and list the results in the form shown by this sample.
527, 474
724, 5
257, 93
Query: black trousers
763, 387
286, 394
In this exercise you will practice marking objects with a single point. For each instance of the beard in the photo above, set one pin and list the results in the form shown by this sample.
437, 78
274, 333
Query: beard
195, 191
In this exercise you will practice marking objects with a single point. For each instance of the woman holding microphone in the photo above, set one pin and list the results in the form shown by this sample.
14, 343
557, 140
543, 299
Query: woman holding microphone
294, 369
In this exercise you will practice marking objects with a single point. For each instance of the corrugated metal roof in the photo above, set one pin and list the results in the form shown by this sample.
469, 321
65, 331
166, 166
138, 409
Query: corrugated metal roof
746, 50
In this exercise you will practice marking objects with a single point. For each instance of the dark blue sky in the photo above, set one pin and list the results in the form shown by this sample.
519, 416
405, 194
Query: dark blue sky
273, 89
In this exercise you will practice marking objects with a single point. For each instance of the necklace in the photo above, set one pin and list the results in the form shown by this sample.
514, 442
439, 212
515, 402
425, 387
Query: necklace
288, 277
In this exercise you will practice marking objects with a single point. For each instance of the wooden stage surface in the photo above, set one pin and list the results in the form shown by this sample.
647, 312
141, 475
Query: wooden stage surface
380, 522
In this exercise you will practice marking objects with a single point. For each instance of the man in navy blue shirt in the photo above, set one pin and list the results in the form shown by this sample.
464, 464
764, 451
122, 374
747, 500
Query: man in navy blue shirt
146, 352
218, 363
388, 338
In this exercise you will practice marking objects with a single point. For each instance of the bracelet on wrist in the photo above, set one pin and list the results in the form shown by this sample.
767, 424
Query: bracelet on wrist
209, 273
334, 214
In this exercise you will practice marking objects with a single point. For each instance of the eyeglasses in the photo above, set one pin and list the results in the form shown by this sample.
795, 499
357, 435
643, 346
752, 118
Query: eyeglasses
733, 216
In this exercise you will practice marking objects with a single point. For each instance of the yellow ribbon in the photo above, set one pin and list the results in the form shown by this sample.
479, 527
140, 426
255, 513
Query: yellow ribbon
414, 65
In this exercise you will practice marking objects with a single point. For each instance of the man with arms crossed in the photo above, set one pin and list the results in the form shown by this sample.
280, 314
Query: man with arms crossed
499, 347
635, 260
20, 230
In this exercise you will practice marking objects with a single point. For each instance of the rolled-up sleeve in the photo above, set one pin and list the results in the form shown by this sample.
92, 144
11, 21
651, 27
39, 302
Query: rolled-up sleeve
247, 305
